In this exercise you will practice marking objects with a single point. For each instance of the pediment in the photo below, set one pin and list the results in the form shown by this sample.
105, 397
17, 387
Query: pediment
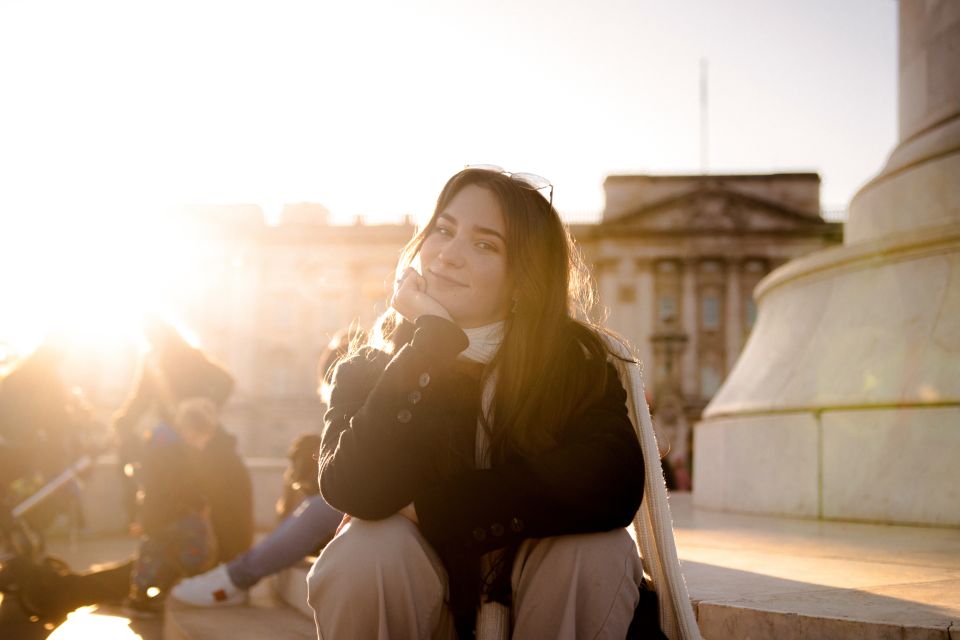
714, 210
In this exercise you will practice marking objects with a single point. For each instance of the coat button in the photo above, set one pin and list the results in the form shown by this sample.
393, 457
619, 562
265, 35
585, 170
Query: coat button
479, 534
497, 529
404, 416
424, 379
516, 525
414, 397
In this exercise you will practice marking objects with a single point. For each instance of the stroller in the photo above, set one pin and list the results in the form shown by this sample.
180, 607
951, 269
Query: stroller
30, 607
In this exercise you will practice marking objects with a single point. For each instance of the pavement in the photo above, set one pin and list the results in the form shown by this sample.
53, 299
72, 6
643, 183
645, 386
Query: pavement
102, 623
750, 577
768, 577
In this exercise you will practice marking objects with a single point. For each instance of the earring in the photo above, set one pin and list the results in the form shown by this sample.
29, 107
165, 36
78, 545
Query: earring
513, 308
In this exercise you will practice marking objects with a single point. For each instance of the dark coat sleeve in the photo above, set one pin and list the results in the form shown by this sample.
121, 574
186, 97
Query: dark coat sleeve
592, 481
374, 456
225, 481
213, 380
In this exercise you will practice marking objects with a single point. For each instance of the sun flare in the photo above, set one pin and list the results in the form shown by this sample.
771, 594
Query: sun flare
90, 277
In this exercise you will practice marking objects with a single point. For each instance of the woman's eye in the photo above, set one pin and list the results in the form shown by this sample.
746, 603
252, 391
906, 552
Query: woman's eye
486, 246
443, 231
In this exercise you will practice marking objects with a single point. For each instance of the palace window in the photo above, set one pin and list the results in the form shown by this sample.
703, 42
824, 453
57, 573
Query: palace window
710, 266
666, 308
710, 311
750, 313
709, 379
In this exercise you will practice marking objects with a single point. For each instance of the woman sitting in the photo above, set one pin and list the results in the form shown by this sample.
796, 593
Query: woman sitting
480, 443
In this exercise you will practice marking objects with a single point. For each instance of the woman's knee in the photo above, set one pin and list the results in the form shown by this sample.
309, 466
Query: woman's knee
607, 553
576, 586
357, 562
379, 579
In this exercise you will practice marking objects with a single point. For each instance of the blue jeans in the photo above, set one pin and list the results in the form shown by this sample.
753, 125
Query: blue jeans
311, 525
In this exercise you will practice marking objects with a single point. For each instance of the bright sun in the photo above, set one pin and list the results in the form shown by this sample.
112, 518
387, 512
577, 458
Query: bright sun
87, 276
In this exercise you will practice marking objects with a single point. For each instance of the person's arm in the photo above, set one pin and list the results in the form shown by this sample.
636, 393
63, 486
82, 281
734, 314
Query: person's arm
593, 481
372, 458
136, 404
218, 383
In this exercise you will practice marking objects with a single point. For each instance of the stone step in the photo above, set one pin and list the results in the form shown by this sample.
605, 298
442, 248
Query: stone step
749, 577
259, 619
290, 587
277, 609
792, 579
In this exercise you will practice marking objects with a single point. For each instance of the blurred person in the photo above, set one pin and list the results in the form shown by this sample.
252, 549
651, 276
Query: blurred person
307, 522
479, 443
174, 516
171, 371
44, 428
34, 412
302, 532
177, 519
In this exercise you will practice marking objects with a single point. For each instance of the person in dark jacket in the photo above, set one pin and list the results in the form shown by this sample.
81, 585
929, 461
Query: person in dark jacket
303, 531
177, 537
197, 509
172, 371
480, 443
307, 522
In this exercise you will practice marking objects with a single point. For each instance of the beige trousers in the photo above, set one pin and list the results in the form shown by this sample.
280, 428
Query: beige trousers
383, 580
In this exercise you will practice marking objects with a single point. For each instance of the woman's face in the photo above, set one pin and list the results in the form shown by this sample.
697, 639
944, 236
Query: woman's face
464, 259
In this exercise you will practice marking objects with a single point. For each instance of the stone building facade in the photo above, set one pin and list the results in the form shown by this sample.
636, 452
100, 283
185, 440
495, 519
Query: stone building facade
267, 301
676, 259
672, 256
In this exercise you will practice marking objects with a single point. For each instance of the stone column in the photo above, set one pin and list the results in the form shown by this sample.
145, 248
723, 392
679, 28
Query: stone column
853, 369
734, 314
607, 273
689, 324
646, 313
918, 187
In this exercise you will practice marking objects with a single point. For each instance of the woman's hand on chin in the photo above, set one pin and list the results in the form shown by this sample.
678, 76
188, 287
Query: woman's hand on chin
411, 300
410, 513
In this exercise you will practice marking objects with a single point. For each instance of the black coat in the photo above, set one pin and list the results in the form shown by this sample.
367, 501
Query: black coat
169, 480
178, 480
402, 429
225, 482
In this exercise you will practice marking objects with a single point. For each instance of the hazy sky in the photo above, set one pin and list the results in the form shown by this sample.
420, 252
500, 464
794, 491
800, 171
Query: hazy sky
367, 106
112, 109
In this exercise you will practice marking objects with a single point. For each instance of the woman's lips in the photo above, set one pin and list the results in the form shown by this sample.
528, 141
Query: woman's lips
446, 279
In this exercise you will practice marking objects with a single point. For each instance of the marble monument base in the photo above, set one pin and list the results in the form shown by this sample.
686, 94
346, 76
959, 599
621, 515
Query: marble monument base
844, 403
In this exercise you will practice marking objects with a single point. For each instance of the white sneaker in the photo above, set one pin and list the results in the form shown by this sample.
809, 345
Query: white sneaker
210, 589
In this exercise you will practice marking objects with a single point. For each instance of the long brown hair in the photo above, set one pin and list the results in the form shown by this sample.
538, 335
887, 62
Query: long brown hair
552, 361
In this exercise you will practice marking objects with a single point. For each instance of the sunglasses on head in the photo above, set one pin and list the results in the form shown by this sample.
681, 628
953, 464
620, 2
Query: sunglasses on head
526, 180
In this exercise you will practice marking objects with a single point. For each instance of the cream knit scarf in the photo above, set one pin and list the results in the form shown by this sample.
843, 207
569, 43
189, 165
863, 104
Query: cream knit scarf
484, 342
